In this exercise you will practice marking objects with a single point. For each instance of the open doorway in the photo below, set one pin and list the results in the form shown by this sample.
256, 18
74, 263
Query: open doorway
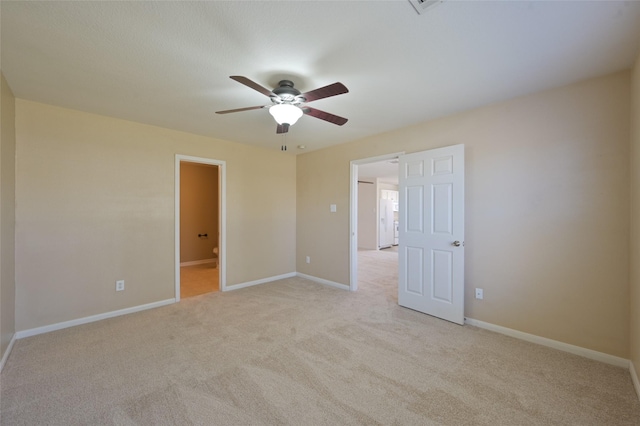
430, 264
374, 215
200, 224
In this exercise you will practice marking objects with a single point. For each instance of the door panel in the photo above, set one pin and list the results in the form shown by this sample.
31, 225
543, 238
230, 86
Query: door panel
431, 265
442, 262
414, 212
414, 266
441, 207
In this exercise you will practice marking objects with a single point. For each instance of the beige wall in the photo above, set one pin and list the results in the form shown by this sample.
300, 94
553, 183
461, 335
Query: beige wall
95, 203
7, 215
198, 211
547, 209
635, 219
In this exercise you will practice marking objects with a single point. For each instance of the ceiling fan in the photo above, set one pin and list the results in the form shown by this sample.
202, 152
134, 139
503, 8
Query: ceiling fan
287, 102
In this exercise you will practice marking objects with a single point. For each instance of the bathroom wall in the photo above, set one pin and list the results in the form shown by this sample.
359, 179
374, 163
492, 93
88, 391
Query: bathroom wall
198, 211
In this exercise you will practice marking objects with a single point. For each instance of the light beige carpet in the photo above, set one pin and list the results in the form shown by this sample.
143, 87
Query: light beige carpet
299, 353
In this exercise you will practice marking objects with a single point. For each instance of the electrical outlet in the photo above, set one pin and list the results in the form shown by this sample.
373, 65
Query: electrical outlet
479, 293
308, 259
120, 285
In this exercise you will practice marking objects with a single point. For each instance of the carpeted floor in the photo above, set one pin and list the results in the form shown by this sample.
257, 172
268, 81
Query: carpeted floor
299, 353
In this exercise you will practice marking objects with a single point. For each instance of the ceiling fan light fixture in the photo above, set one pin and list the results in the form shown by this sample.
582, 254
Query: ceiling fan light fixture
286, 102
285, 113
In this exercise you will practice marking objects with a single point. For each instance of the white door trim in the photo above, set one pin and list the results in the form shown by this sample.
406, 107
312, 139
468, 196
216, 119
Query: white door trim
353, 214
222, 255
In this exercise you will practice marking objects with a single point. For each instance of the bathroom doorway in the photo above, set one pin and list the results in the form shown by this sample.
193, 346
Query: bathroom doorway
199, 226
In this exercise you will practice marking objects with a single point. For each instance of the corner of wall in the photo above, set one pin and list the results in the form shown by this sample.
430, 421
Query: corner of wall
634, 378
634, 256
7, 219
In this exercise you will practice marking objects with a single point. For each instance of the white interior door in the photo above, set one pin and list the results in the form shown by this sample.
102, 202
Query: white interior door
431, 244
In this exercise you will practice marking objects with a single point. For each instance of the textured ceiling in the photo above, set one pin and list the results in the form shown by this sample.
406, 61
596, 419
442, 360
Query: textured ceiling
168, 63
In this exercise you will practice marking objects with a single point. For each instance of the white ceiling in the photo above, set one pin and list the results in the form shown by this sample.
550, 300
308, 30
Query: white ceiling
168, 63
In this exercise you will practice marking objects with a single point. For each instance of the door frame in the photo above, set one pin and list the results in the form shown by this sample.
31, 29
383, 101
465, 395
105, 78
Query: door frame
222, 217
353, 214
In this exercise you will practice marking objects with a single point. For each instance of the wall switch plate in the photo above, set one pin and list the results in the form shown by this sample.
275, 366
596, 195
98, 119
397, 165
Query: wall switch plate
120, 285
308, 259
479, 293
333, 208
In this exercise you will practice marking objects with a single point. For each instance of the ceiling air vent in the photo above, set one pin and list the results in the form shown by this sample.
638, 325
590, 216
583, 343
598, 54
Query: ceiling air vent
421, 6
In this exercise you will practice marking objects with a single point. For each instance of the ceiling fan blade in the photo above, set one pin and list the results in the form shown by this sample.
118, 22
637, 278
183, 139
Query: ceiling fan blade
282, 128
325, 92
240, 109
252, 84
331, 118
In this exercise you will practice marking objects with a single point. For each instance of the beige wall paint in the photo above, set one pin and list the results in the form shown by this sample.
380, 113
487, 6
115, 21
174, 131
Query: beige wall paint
635, 218
198, 211
7, 215
95, 203
547, 209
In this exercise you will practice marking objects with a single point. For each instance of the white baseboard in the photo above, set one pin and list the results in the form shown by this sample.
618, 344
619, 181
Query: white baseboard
66, 324
323, 281
198, 262
576, 350
634, 378
260, 281
6, 354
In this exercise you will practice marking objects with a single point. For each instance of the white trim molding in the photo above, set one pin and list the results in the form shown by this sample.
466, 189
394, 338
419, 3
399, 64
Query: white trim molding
260, 281
92, 318
634, 378
6, 354
323, 281
565, 347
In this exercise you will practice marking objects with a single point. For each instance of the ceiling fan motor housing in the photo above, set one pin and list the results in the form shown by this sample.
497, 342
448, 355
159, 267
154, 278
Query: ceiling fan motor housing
287, 93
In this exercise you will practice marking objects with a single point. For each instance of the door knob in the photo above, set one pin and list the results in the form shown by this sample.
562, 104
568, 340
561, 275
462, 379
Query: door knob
456, 243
